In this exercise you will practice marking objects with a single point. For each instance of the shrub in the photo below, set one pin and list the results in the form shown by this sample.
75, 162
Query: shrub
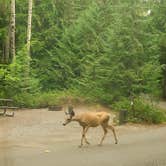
148, 113
45, 99
144, 112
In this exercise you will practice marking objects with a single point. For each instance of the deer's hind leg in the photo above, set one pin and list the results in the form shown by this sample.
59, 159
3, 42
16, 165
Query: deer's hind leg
104, 126
114, 133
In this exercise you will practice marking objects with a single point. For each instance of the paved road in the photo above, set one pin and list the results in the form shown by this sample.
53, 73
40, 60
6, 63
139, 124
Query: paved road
137, 147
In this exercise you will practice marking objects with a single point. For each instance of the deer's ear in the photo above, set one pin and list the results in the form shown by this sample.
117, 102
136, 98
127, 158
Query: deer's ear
70, 110
72, 113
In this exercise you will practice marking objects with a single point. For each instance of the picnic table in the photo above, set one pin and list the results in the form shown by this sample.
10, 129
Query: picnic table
5, 105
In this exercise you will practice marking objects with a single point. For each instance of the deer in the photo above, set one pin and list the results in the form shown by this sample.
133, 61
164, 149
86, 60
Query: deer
90, 119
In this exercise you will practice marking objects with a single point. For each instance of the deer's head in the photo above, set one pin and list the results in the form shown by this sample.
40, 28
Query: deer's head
69, 115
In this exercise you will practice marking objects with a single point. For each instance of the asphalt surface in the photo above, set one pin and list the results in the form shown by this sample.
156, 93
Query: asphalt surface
37, 138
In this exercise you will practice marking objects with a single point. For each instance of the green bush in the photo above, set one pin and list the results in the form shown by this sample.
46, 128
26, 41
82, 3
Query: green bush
148, 113
25, 100
123, 104
144, 112
45, 99
39, 100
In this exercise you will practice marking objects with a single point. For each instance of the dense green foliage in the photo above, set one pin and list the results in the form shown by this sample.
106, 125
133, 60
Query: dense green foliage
142, 111
101, 50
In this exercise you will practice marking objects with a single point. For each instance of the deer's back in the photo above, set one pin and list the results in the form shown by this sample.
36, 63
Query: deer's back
93, 119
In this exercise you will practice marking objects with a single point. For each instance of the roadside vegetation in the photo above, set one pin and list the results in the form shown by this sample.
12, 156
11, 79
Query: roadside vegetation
93, 51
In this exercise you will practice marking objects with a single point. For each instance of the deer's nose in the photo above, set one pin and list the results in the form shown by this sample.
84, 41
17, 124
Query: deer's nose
64, 124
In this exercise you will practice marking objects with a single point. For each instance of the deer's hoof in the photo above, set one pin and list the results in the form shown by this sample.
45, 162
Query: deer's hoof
88, 143
80, 146
99, 144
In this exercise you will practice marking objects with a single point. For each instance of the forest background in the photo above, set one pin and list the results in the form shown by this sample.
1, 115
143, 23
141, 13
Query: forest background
95, 51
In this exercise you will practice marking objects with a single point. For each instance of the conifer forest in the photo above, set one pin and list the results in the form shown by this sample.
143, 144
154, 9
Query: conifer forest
93, 51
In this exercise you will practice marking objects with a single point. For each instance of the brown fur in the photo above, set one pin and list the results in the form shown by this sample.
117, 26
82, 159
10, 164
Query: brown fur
92, 119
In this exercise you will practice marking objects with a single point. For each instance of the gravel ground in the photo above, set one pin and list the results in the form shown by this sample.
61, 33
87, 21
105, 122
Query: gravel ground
37, 137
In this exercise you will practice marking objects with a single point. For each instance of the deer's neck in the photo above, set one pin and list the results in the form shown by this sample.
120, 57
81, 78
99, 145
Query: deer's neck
76, 118
79, 120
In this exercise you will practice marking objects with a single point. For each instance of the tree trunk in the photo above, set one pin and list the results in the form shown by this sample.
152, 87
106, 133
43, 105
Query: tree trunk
29, 26
27, 65
163, 62
164, 84
7, 47
12, 29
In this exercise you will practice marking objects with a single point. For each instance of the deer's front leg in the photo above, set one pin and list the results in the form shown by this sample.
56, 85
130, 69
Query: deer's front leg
86, 141
85, 129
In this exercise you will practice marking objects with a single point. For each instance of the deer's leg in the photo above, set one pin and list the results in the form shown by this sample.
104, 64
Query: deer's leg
85, 129
113, 130
105, 133
86, 141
